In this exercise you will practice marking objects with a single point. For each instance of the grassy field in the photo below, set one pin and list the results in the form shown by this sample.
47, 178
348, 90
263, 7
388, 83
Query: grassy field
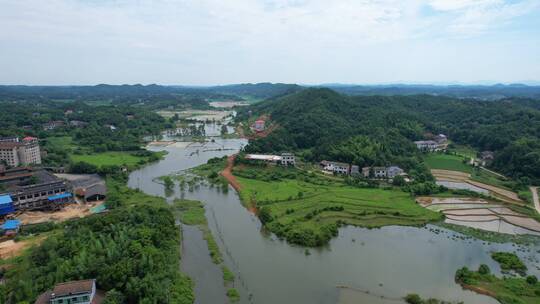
61, 142
308, 210
464, 151
108, 159
119, 158
447, 162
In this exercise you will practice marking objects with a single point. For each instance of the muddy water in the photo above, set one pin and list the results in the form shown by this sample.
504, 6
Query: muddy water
462, 186
374, 266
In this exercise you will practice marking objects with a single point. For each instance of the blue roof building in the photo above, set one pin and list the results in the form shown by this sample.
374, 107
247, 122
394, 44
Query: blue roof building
6, 205
11, 225
60, 198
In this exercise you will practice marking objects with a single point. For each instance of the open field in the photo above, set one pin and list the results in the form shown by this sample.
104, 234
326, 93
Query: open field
308, 210
107, 158
447, 162
10, 248
128, 159
66, 213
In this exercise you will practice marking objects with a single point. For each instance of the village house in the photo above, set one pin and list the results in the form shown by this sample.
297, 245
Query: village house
259, 125
382, 172
426, 145
439, 143
51, 125
339, 168
15, 152
79, 292
486, 157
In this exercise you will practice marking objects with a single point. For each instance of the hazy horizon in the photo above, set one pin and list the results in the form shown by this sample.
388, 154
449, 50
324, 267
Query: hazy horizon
210, 42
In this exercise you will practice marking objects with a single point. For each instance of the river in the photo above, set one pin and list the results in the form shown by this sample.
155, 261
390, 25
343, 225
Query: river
376, 265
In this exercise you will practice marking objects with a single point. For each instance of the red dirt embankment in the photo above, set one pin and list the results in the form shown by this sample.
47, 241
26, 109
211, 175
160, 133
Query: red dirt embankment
227, 173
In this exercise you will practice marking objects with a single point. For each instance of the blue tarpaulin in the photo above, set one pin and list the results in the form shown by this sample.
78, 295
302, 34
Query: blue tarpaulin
59, 196
11, 225
5, 199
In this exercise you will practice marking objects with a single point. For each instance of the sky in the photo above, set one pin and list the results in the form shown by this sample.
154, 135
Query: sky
209, 42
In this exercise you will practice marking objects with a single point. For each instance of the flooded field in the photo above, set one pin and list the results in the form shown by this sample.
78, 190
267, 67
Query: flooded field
358, 266
462, 186
481, 214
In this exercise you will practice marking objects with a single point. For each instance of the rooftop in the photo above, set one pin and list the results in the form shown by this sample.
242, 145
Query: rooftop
263, 157
73, 287
59, 196
326, 162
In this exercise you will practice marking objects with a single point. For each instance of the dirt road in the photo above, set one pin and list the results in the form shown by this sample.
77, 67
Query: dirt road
536, 201
227, 173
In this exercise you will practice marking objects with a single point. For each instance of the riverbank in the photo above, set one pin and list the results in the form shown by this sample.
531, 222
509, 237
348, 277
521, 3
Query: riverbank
308, 209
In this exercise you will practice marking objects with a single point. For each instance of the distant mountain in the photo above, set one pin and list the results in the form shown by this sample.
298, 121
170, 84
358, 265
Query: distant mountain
257, 90
493, 92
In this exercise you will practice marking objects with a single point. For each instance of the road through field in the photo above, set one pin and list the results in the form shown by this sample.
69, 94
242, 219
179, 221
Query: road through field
536, 201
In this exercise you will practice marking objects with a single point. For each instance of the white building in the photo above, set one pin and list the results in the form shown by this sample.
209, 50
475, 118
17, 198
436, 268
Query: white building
339, 168
80, 292
427, 145
285, 159
382, 172
15, 152
288, 159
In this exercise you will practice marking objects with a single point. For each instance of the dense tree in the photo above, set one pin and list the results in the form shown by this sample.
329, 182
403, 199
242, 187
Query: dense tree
379, 130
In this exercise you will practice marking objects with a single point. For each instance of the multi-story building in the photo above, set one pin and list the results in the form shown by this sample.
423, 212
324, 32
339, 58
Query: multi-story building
48, 192
15, 152
382, 172
288, 159
339, 168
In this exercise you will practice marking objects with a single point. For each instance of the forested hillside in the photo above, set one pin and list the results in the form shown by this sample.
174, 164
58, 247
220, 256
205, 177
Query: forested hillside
379, 130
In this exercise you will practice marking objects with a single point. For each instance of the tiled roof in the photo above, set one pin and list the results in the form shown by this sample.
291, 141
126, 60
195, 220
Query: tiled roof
73, 287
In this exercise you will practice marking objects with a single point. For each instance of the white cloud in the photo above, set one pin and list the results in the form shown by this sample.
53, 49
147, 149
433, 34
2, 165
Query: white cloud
222, 41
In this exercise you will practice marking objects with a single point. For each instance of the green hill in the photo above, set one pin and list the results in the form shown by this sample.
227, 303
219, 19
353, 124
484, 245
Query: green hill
380, 130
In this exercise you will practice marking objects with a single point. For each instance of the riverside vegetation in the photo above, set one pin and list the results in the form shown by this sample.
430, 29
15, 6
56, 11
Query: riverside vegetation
191, 212
507, 290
